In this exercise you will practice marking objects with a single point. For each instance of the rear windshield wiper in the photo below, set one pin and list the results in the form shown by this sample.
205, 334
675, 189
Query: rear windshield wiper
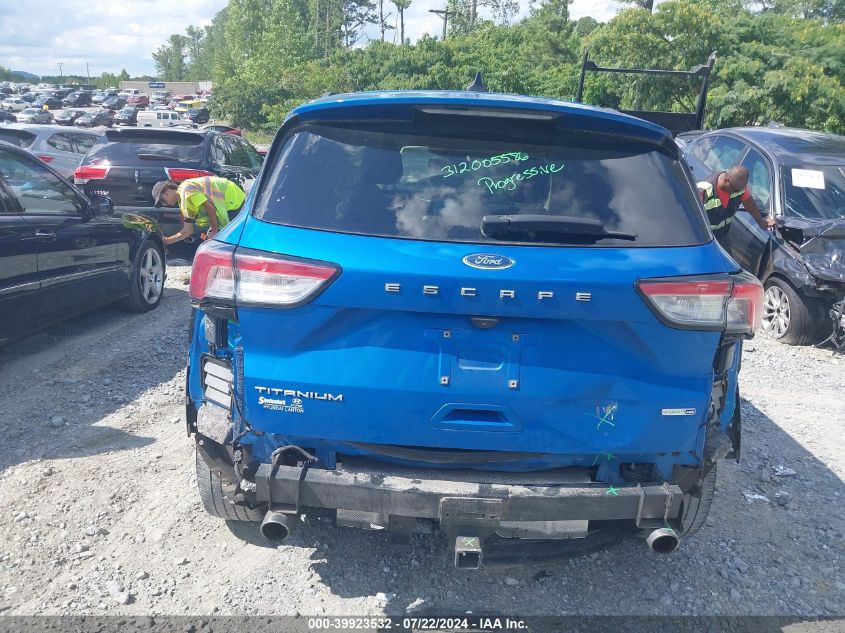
156, 157
548, 228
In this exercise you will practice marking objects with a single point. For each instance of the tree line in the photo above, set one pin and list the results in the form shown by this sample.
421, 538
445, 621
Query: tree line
104, 80
778, 60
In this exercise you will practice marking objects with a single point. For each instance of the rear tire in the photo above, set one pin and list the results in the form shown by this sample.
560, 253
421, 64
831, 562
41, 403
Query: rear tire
146, 279
698, 507
214, 499
787, 316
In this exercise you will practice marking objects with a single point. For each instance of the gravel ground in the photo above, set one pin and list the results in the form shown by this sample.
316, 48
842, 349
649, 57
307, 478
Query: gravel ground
99, 511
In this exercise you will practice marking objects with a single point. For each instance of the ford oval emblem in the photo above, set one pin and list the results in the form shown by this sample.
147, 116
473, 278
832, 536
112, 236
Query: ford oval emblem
487, 261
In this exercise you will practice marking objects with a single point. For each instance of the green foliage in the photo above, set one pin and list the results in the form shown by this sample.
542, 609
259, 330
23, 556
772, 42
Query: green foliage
771, 67
170, 58
267, 56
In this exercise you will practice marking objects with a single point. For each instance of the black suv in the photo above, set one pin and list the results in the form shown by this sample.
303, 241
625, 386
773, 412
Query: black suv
127, 115
51, 102
77, 99
125, 164
197, 115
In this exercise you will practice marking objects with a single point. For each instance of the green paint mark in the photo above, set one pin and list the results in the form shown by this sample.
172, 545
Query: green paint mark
607, 414
610, 457
612, 491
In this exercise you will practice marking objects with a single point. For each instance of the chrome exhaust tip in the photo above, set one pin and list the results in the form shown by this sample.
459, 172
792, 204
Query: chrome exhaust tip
277, 526
663, 541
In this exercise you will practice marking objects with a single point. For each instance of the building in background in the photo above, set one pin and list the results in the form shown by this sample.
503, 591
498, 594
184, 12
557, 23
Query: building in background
174, 87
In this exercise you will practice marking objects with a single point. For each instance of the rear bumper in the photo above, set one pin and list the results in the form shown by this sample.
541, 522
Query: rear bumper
430, 494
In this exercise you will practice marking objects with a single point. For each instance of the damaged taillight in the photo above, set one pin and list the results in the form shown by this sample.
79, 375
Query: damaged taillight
731, 303
250, 277
212, 275
744, 312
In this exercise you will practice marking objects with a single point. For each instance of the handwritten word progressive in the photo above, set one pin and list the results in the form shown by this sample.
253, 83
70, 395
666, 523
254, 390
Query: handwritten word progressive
501, 159
510, 183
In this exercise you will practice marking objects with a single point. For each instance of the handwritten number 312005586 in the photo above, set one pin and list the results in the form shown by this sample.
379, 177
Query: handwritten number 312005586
484, 163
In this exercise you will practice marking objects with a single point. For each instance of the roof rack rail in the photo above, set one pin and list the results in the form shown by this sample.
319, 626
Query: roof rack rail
675, 122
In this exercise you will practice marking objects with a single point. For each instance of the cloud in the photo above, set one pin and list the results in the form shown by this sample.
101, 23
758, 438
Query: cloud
35, 36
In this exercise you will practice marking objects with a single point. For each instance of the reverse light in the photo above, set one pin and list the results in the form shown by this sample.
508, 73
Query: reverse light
178, 174
84, 173
249, 277
730, 303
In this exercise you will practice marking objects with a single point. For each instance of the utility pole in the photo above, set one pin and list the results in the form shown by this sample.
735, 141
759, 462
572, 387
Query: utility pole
88, 73
443, 14
61, 75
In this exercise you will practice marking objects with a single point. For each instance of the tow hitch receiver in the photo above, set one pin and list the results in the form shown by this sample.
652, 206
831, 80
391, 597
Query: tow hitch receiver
467, 552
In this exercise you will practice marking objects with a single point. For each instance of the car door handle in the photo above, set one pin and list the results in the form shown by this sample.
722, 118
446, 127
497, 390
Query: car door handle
43, 235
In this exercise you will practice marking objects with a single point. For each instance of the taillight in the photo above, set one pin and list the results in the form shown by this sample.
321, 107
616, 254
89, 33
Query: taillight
84, 173
745, 309
178, 174
255, 277
45, 158
731, 303
212, 275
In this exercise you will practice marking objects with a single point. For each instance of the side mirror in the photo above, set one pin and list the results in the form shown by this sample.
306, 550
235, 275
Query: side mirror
101, 205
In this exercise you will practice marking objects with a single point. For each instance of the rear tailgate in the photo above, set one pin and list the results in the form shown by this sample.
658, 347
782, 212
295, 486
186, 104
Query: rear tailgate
442, 332
571, 362
136, 160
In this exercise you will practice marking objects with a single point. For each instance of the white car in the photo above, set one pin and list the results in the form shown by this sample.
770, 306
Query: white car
159, 118
14, 104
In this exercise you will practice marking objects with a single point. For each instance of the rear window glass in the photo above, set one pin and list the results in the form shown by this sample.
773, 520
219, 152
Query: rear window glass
21, 138
122, 148
438, 183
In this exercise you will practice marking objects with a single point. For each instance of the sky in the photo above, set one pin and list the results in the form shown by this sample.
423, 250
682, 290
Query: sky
108, 35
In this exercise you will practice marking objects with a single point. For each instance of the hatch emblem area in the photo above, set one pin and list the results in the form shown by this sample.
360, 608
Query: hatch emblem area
487, 261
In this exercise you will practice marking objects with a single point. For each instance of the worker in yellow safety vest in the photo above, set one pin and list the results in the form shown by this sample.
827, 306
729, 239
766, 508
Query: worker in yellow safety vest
204, 202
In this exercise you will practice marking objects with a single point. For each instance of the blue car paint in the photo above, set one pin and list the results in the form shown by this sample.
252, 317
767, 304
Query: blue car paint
372, 104
386, 353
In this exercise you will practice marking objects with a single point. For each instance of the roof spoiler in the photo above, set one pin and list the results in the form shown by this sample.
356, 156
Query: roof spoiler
675, 122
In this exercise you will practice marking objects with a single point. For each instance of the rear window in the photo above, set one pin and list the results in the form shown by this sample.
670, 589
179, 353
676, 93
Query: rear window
21, 138
121, 148
439, 182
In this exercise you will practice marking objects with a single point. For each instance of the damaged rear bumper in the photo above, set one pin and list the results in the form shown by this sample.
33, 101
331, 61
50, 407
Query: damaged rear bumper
433, 494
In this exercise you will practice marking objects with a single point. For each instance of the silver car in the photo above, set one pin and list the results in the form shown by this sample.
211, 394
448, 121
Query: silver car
59, 146
14, 104
35, 115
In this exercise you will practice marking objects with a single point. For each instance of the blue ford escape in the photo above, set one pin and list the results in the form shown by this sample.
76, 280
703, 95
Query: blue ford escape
501, 314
